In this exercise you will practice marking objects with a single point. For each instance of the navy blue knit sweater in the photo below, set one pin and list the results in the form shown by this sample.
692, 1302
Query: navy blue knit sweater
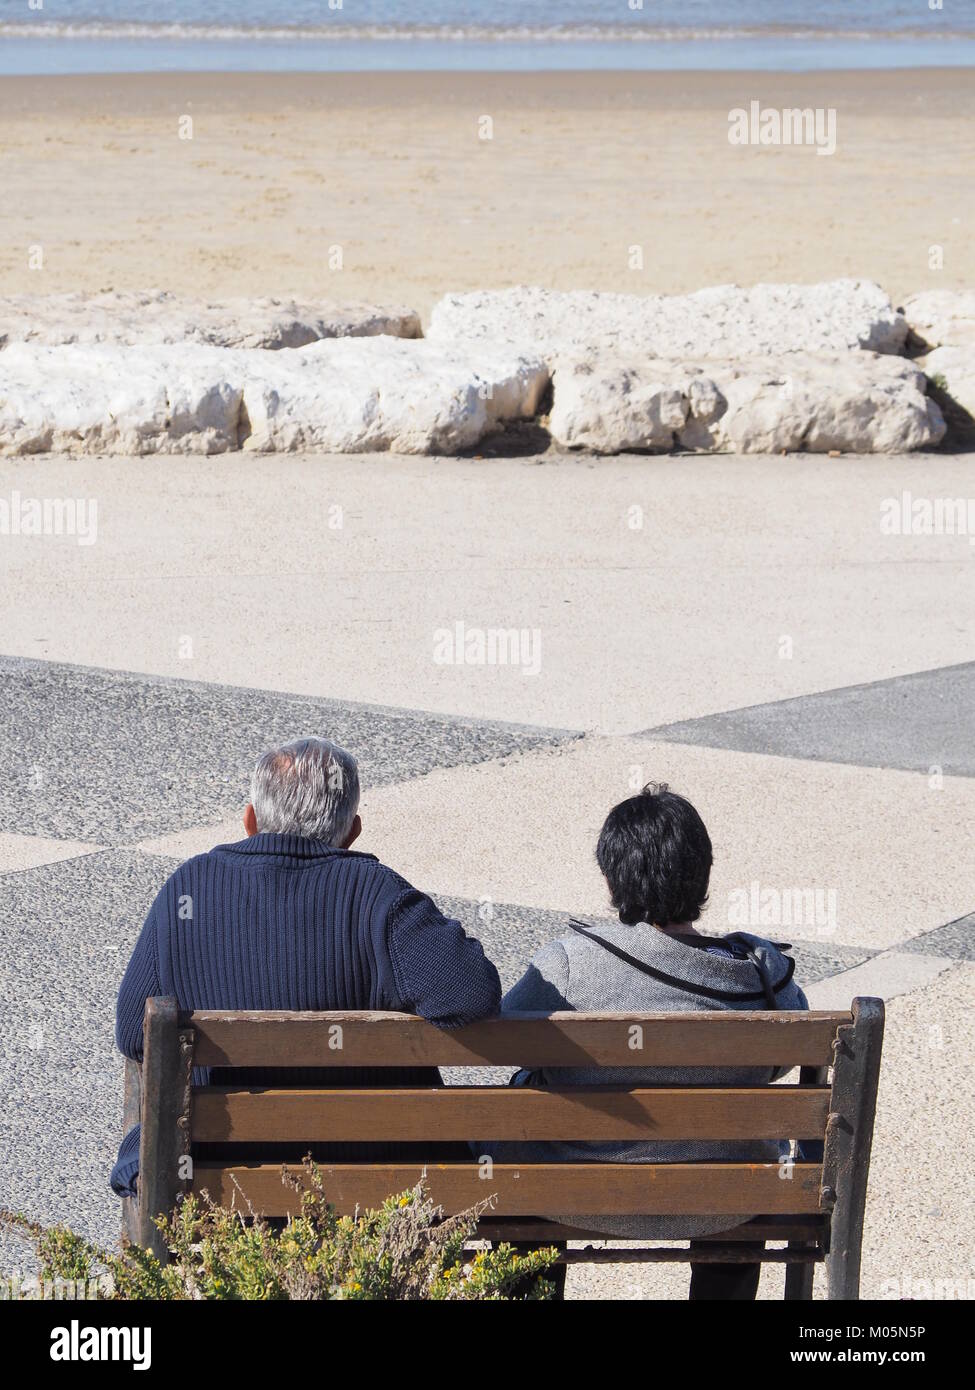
281, 922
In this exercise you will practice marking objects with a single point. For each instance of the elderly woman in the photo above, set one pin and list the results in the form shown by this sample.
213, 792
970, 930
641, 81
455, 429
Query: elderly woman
655, 855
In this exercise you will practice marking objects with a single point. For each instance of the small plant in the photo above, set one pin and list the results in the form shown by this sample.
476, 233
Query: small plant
407, 1249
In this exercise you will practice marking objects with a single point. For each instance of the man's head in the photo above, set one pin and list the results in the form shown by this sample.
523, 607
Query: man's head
655, 855
308, 788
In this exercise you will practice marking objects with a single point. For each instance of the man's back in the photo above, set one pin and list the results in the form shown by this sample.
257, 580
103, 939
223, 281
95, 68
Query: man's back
278, 921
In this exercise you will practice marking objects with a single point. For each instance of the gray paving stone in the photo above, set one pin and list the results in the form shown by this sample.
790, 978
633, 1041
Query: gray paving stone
956, 940
912, 722
115, 757
68, 930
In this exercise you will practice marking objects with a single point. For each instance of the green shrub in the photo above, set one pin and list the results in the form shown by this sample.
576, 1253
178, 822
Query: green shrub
408, 1249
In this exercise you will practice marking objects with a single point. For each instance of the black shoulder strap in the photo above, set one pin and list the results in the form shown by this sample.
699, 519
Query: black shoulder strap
767, 992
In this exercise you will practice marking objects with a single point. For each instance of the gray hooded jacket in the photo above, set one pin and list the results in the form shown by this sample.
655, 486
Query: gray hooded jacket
576, 973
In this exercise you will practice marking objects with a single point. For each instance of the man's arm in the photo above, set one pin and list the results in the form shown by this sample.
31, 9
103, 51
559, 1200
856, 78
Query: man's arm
440, 972
542, 988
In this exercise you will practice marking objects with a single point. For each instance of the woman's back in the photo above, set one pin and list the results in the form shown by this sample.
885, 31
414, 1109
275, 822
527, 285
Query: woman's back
577, 973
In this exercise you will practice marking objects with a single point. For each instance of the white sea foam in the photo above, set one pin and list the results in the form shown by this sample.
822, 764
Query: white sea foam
474, 33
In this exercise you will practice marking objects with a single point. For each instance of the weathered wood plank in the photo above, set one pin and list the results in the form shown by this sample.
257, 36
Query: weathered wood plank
543, 1189
225, 1114
131, 1095
165, 1137
346, 1039
849, 1136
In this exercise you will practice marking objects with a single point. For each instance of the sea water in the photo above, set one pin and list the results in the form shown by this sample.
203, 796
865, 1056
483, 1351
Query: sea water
49, 36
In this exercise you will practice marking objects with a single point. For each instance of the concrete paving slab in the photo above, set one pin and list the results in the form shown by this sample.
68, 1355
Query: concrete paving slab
663, 589
796, 843
19, 852
922, 1173
884, 976
922, 722
183, 844
955, 940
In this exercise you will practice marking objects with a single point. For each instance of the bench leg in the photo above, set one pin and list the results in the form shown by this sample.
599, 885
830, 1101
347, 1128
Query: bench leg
166, 1089
843, 1278
130, 1219
716, 1282
799, 1277
849, 1132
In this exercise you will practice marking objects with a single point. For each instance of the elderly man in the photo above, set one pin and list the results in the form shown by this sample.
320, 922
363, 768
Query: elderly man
293, 918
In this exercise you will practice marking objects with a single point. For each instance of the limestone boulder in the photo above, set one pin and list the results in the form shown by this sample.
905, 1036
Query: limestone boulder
156, 316
385, 394
114, 400
943, 317
345, 395
953, 368
724, 322
809, 402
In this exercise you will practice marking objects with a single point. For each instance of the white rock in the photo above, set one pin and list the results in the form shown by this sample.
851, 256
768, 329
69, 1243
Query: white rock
725, 321
954, 368
386, 394
346, 395
155, 316
112, 400
943, 317
854, 403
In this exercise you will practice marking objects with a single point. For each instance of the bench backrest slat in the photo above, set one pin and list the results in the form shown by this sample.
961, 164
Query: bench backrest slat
453, 1113
537, 1189
365, 1039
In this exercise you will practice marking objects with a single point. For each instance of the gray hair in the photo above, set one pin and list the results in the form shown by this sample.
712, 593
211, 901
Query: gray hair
309, 788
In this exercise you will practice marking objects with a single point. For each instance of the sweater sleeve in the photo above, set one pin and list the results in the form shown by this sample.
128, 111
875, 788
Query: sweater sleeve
440, 972
543, 987
139, 983
126, 1168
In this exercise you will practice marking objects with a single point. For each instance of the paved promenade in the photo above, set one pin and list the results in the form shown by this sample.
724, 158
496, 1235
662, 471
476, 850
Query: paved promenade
743, 629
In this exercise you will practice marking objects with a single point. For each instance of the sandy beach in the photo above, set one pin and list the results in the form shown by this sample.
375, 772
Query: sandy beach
581, 168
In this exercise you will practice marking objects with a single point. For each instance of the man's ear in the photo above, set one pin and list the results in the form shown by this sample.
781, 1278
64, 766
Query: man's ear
354, 833
250, 820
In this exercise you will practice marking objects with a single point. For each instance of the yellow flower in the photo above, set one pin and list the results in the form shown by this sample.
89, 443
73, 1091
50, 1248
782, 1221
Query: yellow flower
404, 1201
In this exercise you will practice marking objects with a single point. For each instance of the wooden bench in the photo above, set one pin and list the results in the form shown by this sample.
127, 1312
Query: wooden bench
816, 1208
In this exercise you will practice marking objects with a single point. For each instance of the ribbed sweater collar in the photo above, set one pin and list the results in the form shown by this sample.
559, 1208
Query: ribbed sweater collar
288, 847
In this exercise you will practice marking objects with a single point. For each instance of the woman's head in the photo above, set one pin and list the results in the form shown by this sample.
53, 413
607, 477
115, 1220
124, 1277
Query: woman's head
655, 854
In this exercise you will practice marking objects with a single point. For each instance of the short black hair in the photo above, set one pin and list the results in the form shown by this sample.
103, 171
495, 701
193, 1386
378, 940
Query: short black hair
655, 854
